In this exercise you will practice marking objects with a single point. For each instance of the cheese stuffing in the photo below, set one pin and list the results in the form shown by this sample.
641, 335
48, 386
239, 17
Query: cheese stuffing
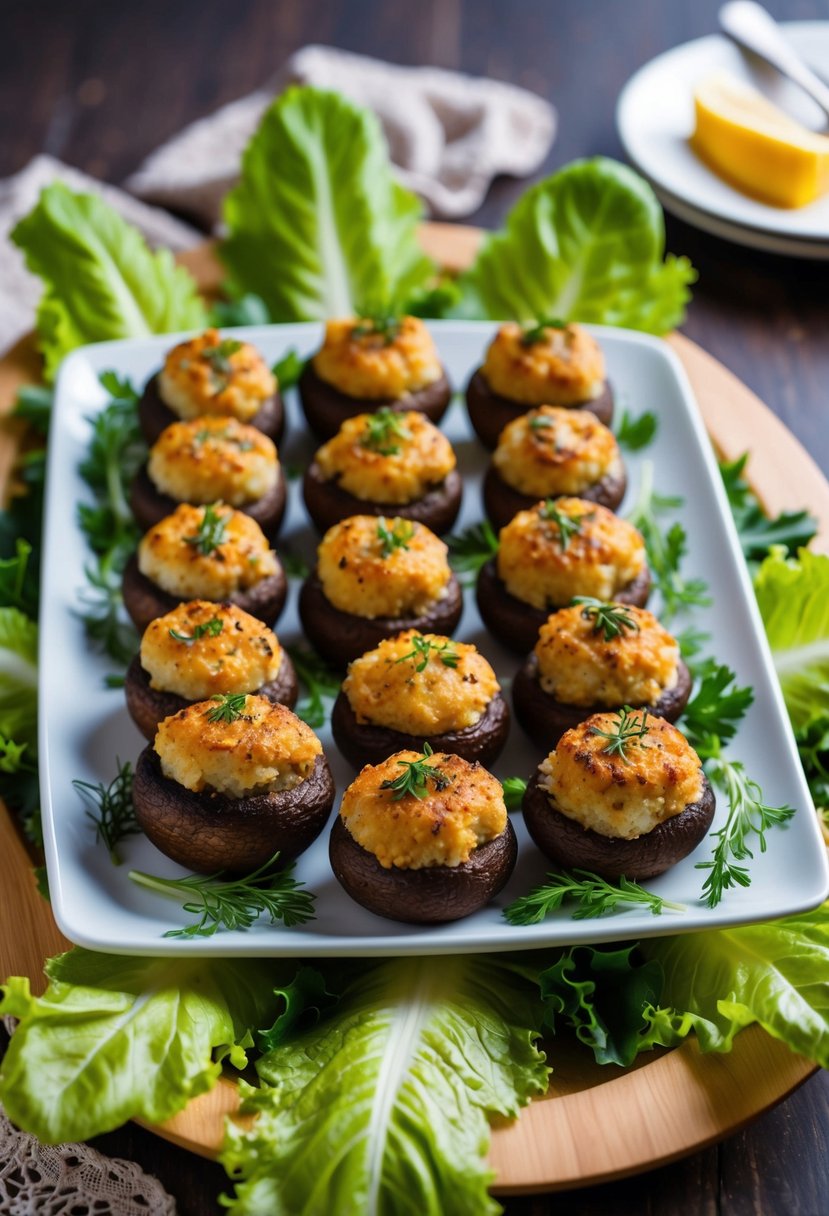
564, 367
215, 375
553, 451
213, 458
372, 365
395, 463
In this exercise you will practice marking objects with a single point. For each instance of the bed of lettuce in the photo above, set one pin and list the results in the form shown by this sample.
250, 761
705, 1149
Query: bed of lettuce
375, 1082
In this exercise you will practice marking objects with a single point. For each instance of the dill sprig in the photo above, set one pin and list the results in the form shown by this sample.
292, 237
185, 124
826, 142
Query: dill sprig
666, 550
633, 434
210, 532
415, 777
395, 537
567, 526
535, 332
472, 548
111, 808
608, 618
229, 707
594, 896
321, 682
423, 648
628, 730
234, 903
211, 628
381, 429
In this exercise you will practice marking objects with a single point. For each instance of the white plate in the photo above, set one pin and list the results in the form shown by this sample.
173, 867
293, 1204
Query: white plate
84, 726
655, 117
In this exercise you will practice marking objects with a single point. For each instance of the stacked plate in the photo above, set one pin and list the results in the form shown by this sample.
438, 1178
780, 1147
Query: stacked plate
655, 117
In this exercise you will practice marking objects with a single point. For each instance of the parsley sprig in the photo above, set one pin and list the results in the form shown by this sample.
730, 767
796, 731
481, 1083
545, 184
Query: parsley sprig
211, 628
229, 707
381, 430
415, 777
593, 896
666, 549
633, 434
608, 618
395, 537
757, 532
423, 648
567, 526
234, 903
716, 708
211, 531
111, 808
320, 681
627, 730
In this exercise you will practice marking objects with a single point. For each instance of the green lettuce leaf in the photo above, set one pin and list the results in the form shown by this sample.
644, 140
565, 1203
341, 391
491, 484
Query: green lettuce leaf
383, 1106
101, 280
793, 595
115, 1038
583, 245
18, 677
776, 973
318, 227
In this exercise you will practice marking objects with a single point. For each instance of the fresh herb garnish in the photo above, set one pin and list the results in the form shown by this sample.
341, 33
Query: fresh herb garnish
102, 614
793, 529
210, 532
218, 356
594, 896
666, 550
633, 434
111, 808
288, 369
235, 903
568, 525
211, 628
385, 327
293, 563
416, 776
472, 548
535, 332
228, 708
422, 648
514, 789
541, 422
396, 537
627, 730
717, 707
381, 429
691, 641
320, 681
608, 618
245, 309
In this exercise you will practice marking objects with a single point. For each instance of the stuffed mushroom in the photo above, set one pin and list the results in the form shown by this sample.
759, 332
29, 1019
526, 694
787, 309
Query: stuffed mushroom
547, 556
385, 463
548, 363
423, 837
230, 782
419, 688
366, 363
376, 577
621, 794
200, 650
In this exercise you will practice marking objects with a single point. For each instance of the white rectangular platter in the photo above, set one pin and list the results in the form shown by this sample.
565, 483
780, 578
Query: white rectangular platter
84, 726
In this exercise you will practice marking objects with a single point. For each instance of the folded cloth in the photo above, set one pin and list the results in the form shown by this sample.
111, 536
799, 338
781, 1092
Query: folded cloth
20, 290
448, 134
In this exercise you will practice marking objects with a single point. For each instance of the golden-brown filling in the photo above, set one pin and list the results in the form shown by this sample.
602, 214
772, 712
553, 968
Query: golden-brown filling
212, 374
460, 808
421, 684
564, 366
622, 796
205, 553
546, 563
387, 457
553, 451
265, 748
373, 363
579, 665
213, 458
201, 649
372, 567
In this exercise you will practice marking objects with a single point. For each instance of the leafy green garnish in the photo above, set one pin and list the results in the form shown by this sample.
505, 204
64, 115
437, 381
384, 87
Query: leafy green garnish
514, 789
382, 428
537, 331
317, 225
34, 405
111, 808
567, 526
210, 533
593, 896
235, 903
472, 548
628, 730
288, 369
211, 629
381, 326
691, 641
321, 682
101, 280
229, 707
584, 245
633, 434
608, 618
246, 308
422, 649
415, 778
218, 356
101, 603
395, 537
717, 706
666, 549
757, 532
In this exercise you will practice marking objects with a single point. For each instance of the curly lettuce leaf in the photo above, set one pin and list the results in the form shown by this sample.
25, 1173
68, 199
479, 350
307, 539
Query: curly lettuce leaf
793, 595
318, 227
117, 1038
383, 1106
101, 280
776, 973
586, 244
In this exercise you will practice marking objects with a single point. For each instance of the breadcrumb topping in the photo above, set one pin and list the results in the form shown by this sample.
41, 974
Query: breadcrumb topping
169, 554
213, 458
552, 451
212, 374
399, 467
565, 367
372, 366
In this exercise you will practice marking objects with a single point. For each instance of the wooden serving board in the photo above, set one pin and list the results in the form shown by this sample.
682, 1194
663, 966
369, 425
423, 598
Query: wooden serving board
671, 1103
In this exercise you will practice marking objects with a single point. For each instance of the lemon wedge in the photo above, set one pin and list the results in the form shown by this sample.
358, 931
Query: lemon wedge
755, 146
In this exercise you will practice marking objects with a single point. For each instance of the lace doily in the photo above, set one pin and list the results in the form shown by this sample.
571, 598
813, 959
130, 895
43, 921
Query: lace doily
72, 1180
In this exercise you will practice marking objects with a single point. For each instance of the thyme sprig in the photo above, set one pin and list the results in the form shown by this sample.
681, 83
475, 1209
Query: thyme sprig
111, 808
415, 777
395, 537
567, 526
211, 531
234, 903
593, 896
211, 628
423, 648
381, 429
608, 618
628, 730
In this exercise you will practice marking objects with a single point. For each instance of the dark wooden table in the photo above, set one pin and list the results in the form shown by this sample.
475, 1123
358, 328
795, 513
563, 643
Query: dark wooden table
101, 84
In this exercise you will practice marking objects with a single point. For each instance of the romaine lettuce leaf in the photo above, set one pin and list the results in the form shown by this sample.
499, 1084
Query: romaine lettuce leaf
583, 245
776, 973
382, 1107
318, 227
793, 595
114, 1038
18, 677
101, 279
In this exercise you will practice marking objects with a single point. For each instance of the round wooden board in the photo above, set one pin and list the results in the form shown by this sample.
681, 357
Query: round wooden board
668, 1105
